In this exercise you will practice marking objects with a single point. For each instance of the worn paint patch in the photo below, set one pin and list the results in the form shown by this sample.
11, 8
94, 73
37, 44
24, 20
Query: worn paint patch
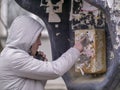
117, 4
114, 6
111, 55
110, 3
118, 28
86, 16
53, 9
116, 46
93, 58
57, 34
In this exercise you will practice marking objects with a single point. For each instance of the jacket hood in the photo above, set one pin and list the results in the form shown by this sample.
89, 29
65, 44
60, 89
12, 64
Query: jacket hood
23, 33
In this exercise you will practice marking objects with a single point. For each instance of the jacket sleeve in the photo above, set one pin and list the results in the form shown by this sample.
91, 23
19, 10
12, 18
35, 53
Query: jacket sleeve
41, 70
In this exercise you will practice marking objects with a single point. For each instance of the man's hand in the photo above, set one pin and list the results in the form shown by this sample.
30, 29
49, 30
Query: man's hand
78, 44
41, 55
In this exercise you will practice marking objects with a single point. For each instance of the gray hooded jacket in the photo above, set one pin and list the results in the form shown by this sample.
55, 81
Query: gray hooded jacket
19, 70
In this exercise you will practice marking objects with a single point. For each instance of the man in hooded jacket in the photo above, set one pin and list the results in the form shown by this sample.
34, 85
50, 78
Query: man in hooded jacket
19, 70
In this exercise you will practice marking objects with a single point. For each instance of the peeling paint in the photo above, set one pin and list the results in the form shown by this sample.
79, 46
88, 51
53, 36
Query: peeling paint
118, 28
57, 34
111, 55
116, 46
92, 59
83, 17
118, 43
53, 9
117, 39
56, 25
116, 4
55, 19
113, 4
110, 3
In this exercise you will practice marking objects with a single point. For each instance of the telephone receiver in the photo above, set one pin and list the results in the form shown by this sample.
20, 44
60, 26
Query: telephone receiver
39, 56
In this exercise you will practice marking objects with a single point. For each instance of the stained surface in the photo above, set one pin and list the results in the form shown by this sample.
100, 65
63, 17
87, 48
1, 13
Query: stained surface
93, 58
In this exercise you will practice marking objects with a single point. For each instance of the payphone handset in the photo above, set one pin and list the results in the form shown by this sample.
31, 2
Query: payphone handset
39, 56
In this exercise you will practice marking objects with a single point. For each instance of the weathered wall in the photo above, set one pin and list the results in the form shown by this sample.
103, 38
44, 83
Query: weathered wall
62, 17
